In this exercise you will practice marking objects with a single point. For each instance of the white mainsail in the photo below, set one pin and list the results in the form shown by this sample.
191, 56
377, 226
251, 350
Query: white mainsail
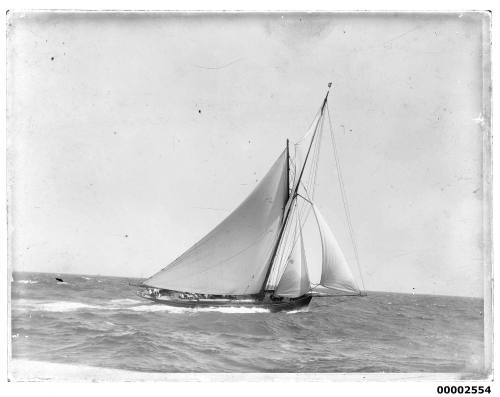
295, 279
234, 257
335, 272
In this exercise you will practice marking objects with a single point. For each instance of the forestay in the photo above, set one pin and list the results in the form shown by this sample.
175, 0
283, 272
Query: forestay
335, 271
233, 258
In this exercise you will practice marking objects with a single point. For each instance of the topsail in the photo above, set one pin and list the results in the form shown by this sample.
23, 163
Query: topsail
234, 257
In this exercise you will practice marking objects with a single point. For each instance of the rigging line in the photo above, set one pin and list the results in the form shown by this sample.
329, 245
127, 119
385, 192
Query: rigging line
310, 186
295, 236
279, 255
308, 129
316, 161
292, 239
305, 205
283, 254
345, 201
344, 198
292, 167
307, 178
294, 192
297, 231
312, 169
278, 263
290, 235
312, 174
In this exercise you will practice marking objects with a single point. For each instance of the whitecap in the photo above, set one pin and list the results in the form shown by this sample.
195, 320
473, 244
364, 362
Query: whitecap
51, 306
243, 310
127, 304
126, 301
159, 308
63, 306
302, 310
173, 309
27, 282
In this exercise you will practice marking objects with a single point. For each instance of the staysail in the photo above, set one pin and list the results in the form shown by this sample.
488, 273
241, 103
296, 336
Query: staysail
295, 279
234, 257
335, 271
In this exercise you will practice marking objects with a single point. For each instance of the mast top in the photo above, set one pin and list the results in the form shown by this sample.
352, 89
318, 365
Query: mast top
326, 97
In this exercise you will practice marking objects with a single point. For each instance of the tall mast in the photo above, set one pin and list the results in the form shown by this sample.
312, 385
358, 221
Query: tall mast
292, 196
287, 171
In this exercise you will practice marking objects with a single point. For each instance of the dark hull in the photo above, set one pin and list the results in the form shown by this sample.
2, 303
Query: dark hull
273, 306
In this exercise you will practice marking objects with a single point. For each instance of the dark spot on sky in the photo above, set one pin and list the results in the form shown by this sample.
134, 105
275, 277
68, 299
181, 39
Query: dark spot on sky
51, 58
199, 111
126, 235
249, 141
114, 132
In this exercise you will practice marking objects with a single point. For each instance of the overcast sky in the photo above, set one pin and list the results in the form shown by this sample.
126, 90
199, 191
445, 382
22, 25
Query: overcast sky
130, 137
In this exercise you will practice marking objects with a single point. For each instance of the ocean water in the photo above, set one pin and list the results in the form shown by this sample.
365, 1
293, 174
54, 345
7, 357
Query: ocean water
98, 321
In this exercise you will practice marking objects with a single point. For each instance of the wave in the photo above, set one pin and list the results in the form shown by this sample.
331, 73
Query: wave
26, 282
127, 304
50, 306
304, 309
126, 301
172, 309
64, 306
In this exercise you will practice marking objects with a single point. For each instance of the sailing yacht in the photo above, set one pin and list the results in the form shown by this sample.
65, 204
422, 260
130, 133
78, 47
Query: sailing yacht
256, 256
